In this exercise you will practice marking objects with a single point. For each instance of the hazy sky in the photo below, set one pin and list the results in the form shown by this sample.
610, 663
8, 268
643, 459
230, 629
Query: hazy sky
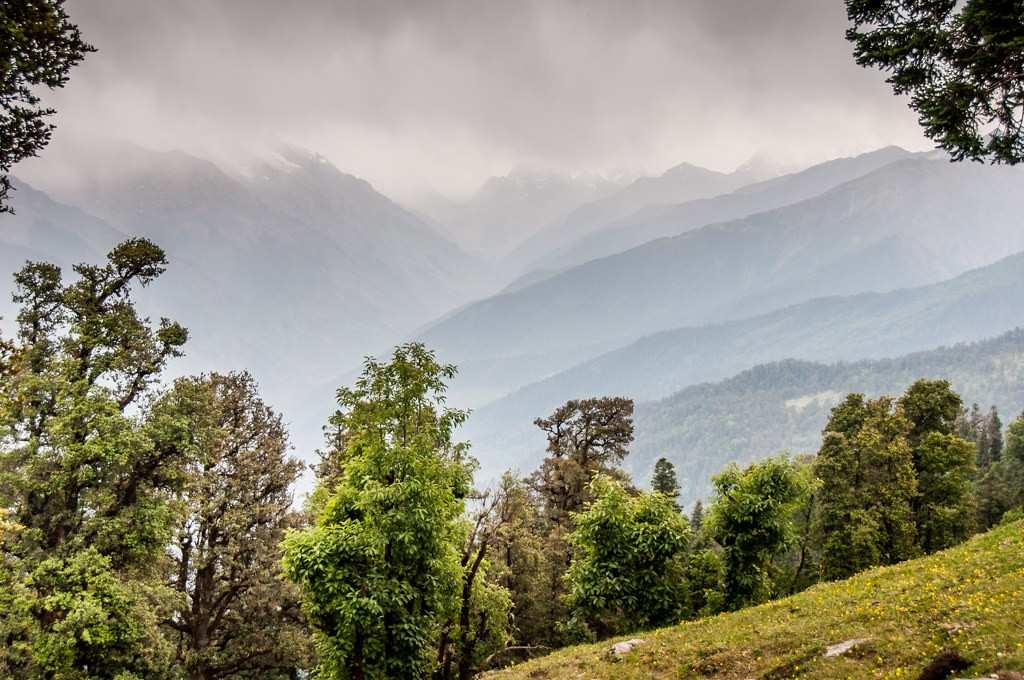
435, 95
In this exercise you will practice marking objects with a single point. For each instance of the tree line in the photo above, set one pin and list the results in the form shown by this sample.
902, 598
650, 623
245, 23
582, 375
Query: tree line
149, 530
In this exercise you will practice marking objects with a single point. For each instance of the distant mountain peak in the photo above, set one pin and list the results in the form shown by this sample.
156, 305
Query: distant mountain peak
762, 165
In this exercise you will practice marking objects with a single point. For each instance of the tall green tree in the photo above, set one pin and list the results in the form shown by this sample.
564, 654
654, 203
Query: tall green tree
523, 557
664, 480
799, 566
751, 518
627, 572
960, 63
234, 615
38, 47
380, 568
994, 426
945, 506
868, 483
944, 463
87, 475
697, 516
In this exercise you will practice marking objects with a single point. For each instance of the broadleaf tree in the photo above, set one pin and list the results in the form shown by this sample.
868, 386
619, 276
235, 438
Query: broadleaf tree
235, 615
752, 519
380, 567
87, 474
628, 569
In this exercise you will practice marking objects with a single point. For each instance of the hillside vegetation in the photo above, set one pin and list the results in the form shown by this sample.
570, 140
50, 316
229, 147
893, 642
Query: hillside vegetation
966, 599
785, 405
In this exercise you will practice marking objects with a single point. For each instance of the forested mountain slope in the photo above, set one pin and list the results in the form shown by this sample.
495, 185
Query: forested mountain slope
966, 599
910, 223
785, 405
769, 408
979, 304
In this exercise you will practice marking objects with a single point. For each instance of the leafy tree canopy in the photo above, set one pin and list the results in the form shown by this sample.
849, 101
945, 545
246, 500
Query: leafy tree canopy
86, 473
751, 519
234, 612
380, 569
628, 569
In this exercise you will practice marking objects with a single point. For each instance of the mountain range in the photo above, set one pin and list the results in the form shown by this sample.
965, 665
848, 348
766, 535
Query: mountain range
650, 222
683, 182
507, 210
979, 304
295, 270
785, 405
912, 222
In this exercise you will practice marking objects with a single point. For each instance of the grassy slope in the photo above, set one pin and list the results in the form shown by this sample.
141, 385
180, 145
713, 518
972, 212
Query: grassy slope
907, 611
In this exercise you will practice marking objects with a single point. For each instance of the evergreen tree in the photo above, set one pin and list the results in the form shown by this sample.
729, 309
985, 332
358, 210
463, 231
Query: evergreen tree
585, 437
627, 572
945, 506
868, 482
798, 568
959, 62
522, 554
235, 615
994, 437
697, 517
664, 480
1001, 488
38, 47
380, 568
931, 406
86, 473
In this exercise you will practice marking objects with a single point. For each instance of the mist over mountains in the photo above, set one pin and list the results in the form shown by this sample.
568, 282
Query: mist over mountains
545, 287
972, 307
912, 222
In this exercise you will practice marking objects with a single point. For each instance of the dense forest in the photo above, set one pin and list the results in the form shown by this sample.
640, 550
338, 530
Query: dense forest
152, 523
150, 531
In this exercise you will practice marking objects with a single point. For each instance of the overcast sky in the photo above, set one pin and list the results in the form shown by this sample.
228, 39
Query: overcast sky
435, 95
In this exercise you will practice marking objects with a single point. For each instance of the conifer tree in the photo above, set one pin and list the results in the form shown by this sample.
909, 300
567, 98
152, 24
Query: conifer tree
39, 45
944, 463
960, 63
1001, 488
994, 431
586, 437
664, 480
697, 517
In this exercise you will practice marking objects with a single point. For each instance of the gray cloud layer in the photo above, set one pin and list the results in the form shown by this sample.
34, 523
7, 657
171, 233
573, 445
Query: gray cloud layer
420, 95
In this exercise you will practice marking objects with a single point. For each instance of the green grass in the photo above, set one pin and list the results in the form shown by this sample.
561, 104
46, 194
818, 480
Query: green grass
969, 599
